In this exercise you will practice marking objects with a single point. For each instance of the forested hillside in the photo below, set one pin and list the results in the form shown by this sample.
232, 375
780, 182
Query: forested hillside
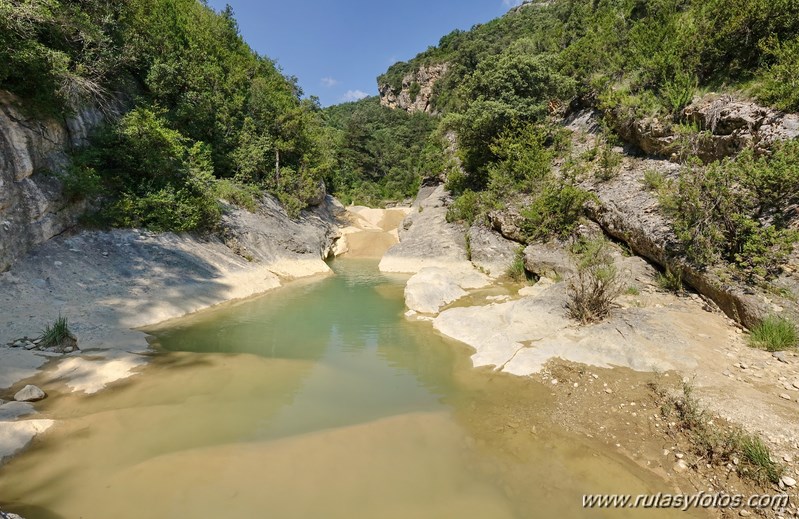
194, 114
380, 154
510, 82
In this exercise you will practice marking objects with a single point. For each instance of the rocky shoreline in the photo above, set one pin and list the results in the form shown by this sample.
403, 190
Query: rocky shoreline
525, 331
110, 283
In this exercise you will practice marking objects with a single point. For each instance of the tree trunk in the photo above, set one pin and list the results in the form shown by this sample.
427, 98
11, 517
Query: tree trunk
277, 167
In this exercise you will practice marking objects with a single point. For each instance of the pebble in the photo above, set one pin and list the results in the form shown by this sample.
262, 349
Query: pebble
554, 381
788, 481
29, 346
787, 459
608, 391
780, 356
679, 455
744, 513
785, 396
680, 466
69, 349
795, 384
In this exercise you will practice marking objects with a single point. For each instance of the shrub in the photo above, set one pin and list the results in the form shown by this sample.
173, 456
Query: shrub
780, 85
653, 180
516, 271
609, 163
774, 334
671, 281
466, 208
55, 334
554, 211
242, 195
595, 287
738, 210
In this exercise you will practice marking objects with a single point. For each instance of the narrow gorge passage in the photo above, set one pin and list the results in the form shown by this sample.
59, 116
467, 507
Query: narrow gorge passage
318, 399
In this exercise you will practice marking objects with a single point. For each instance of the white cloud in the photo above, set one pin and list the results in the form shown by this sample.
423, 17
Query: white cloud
329, 82
354, 95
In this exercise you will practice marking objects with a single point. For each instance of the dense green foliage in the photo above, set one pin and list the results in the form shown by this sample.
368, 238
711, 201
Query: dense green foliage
205, 106
380, 154
630, 59
738, 210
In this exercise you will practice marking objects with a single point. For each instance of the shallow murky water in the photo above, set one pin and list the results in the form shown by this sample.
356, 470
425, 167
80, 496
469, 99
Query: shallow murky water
317, 400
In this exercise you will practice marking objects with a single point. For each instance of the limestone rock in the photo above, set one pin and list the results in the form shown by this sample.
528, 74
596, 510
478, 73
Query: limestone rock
12, 410
294, 247
491, 252
426, 238
30, 393
416, 92
435, 287
33, 207
732, 125
550, 259
628, 212
15, 436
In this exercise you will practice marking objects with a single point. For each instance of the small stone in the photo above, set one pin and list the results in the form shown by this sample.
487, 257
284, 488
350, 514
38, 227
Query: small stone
69, 349
554, 381
30, 393
785, 396
788, 481
37, 341
787, 459
105, 254
744, 513
30, 346
780, 356
576, 384
666, 452
735, 461
679, 455
608, 391
57, 263
742, 365
680, 466
18, 344
795, 384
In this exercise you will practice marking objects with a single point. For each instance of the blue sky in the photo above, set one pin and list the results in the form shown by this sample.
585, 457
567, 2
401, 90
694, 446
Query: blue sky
337, 49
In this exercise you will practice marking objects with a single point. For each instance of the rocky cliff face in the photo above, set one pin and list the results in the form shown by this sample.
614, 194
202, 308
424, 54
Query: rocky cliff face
416, 93
33, 208
727, 125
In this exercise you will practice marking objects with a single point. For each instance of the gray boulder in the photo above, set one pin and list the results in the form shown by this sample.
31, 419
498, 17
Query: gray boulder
30, 393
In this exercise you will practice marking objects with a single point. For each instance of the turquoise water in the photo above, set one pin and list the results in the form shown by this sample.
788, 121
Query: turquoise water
317, 400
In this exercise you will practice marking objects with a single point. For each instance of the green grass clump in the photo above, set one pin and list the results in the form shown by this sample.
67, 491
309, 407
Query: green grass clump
516, 270
774, 334
653, 180
758, 462
671, 281
632, 291
717, 445
55, 334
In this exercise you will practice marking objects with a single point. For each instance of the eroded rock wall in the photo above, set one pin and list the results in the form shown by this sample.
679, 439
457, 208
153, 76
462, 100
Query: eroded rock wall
416, 94
33, 207
728, 125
